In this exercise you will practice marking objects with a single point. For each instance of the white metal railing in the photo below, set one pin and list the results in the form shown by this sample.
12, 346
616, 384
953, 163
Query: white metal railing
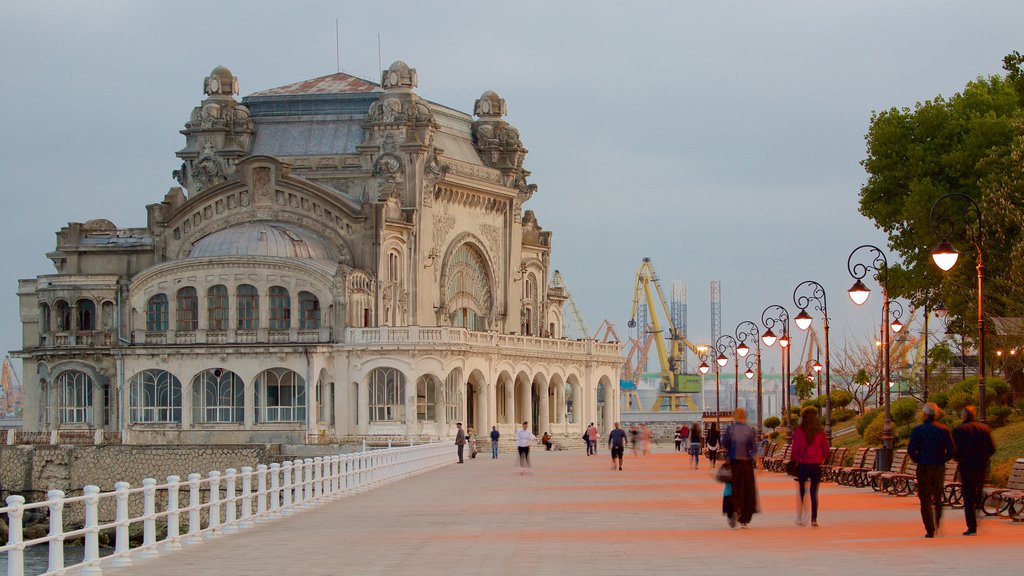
233, 501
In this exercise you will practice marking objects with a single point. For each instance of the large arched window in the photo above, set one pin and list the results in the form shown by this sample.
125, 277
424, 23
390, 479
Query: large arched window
309, 311
467, 286
280, 396
217, 396
62, 312
217, 308
86, 315
156, 313
248, 299
155, 396
428, 388
280, 308
187, 308
74, 389
387, 395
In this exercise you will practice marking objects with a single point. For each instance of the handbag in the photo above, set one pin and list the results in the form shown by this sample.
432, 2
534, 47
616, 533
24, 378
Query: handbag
724, 474
791, 468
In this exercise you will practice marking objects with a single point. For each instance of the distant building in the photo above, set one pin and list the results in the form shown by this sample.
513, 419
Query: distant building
343, 258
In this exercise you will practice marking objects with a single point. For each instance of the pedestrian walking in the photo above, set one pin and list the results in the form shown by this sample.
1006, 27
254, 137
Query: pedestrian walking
714, 438
524, 438
972, 441
645, 440
684, 431
931, 446
741, 449
495, 435
591, 439
460, 440
677, 437
634, 434
810, 448
695, 445
617, 444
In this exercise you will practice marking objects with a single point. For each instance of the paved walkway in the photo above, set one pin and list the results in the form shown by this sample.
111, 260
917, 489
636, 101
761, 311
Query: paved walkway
576, 516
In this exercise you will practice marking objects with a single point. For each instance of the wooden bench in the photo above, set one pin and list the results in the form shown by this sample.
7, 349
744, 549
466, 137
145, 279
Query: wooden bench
904, 483
1009, 501
833, 464
952, 493
777, 463
879, 478
844, 474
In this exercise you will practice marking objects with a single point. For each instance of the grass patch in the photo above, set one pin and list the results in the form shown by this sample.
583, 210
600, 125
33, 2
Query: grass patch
1009, 442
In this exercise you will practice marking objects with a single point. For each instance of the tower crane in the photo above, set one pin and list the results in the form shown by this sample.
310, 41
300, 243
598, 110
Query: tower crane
557, 281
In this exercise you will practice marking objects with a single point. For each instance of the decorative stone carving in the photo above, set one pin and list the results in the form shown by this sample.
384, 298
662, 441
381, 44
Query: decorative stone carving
399, 75
433, 171
497, 141
387, 169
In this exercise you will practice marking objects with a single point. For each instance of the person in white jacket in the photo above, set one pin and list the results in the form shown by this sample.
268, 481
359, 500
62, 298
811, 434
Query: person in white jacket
524, 438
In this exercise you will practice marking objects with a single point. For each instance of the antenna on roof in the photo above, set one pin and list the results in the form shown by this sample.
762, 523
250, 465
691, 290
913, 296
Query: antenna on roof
380, 68
337, 44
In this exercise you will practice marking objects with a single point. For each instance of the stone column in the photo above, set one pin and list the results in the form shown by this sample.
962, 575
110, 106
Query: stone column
543, 412
363, 401
524, 403
186, 405
491, 413
610, 394
510, 402
411, 401
98, 394
249, 400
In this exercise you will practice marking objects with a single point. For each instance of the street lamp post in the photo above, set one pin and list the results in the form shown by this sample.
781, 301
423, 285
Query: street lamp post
776, 316
859, 293
945, 257
748, 330
896, 309
725, 343
702, 354
803, 320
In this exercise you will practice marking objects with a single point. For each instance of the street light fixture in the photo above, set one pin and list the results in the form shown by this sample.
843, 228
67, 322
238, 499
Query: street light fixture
941, 311
897, 313
771, 317
877, 261
945, 257
725, 343
816, 296
745, 331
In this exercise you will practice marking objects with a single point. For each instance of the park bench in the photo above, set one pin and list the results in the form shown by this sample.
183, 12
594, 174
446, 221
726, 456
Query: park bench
777, 462
832, 465
1009, 501
878, 479
844, 474
952, 493
903, 483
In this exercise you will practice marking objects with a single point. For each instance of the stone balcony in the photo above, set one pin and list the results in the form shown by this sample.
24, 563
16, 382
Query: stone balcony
446, 337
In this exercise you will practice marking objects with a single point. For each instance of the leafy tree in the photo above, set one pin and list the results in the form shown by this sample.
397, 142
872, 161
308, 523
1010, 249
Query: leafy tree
803, 386
971, 143
772, 422
840, 398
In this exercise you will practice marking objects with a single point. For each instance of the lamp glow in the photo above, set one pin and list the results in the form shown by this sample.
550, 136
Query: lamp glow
742, 350
803, 319
896, 326
722, 360
703, 368
769, 338
749, 373
945, 255
859, 293
816, 366
784, 341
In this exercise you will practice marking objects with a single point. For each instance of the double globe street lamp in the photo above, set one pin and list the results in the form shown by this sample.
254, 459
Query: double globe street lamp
726, 343
747, 330
815, 294
777, 317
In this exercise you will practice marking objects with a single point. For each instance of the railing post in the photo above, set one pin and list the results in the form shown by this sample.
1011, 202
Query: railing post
148, 519
297, 485
214, 500
91, 559
121, 544
246, 520
318, 478
173, 531
16, 555
55, 502
308, 483
286, 488
335, 480
275, 490
230, 509
261, 492
193, 509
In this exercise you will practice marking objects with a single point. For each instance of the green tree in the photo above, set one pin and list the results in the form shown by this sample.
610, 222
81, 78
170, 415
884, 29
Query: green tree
772, 422
971, 143
803, 385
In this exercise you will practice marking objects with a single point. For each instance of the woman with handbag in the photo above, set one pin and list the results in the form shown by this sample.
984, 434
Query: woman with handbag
714, 437
810, 448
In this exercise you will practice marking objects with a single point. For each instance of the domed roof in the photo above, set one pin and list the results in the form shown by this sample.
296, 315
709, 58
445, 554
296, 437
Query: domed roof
264, 239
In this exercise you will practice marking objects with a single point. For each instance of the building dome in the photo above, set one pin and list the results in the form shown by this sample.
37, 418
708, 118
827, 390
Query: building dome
270, 239
220, 81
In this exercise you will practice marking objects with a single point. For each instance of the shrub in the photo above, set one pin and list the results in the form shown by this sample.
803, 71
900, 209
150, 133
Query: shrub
772, 422
940, 398
998, 416
842, 415
902, 433
774, 434
903, 411
1001, 473
840, 399
873, 433
865, 420
957, 401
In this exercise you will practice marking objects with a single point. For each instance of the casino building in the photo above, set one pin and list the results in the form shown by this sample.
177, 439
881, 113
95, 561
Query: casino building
343, 259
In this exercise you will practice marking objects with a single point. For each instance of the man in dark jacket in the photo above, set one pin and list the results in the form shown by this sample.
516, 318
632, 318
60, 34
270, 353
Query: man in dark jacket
974, 447
931, 446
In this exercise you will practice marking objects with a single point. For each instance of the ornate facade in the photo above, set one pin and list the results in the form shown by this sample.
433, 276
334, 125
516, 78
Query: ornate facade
342, 258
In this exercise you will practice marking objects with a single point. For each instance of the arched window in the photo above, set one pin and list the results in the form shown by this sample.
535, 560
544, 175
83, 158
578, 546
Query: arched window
44, 404
427, 390
467, 286
309, 311
156, 313
280, 308
248, 307
217, 308
452, 398
62, 311
187, 307
280, 396
44, 319
74, 388
155, 396
86, 315
217, 396
529, 305
387, 395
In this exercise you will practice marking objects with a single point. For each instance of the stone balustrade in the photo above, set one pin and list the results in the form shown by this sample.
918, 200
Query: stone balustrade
415, 336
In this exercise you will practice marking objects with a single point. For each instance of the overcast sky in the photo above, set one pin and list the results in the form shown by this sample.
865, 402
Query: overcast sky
721, 139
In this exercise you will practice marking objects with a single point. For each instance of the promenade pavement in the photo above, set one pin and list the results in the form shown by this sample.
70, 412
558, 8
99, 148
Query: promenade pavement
575, 515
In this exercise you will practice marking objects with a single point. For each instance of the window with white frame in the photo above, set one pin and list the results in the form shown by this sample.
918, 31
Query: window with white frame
452, 396
467, 286
74, 388
154, 396
428, 388
387, 395
280, 396
218, 396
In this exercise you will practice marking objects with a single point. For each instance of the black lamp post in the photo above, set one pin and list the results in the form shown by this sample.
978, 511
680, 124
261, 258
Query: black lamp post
859, 293
777, 317
702, 355
945, 257
747, 330
725, 343
816, 296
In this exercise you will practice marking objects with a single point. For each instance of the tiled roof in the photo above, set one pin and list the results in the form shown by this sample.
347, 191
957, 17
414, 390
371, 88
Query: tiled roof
339, 83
